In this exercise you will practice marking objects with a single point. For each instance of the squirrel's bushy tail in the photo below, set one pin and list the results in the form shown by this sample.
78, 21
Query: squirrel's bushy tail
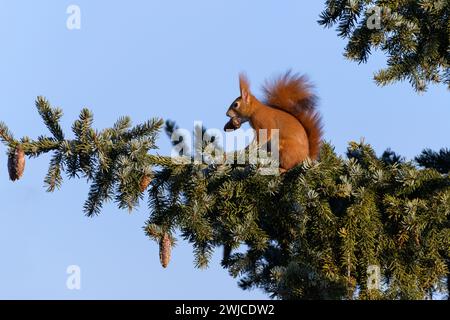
293, 93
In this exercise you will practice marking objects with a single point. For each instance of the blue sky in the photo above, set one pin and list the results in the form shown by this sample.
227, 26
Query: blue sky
176, 60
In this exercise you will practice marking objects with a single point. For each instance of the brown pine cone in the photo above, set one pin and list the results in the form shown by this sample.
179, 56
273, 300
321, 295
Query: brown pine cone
145, 182
165, 249
16, 163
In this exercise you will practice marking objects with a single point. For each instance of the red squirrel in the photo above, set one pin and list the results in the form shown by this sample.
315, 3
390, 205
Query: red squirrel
288, 105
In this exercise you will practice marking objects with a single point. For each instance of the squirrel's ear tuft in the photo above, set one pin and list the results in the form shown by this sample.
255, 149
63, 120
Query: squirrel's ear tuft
244, 87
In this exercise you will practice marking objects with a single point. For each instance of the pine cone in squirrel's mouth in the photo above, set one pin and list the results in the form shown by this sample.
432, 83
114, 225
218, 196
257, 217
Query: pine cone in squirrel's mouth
233, 124
16, 163
165, 249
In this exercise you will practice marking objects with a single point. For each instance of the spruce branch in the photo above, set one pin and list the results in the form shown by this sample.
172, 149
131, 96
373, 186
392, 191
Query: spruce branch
413, 34
435, 160
318, 227
51, 117
113, 160
54, 179
5, 135
311, 233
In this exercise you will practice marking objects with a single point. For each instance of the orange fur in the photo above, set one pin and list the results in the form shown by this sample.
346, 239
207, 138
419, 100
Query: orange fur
293, 94
288, 105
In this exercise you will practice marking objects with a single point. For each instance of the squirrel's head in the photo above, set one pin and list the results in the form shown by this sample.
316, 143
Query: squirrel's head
241, 109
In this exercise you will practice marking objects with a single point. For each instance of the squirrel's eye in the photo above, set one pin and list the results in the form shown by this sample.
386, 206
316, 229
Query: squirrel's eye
235, 105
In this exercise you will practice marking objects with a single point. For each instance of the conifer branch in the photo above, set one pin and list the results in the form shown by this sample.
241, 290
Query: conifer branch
414, 35
51, 117
115, 159
308, 234
5, 135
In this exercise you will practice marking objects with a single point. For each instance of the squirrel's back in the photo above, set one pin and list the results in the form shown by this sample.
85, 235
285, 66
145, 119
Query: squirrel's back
293, 93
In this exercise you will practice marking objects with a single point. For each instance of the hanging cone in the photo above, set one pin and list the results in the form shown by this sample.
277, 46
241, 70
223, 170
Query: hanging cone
16, 163
145, 182
165, 249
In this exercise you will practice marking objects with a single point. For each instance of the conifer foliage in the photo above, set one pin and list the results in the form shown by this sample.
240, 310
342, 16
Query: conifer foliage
116, 160
415, 36
312, 233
